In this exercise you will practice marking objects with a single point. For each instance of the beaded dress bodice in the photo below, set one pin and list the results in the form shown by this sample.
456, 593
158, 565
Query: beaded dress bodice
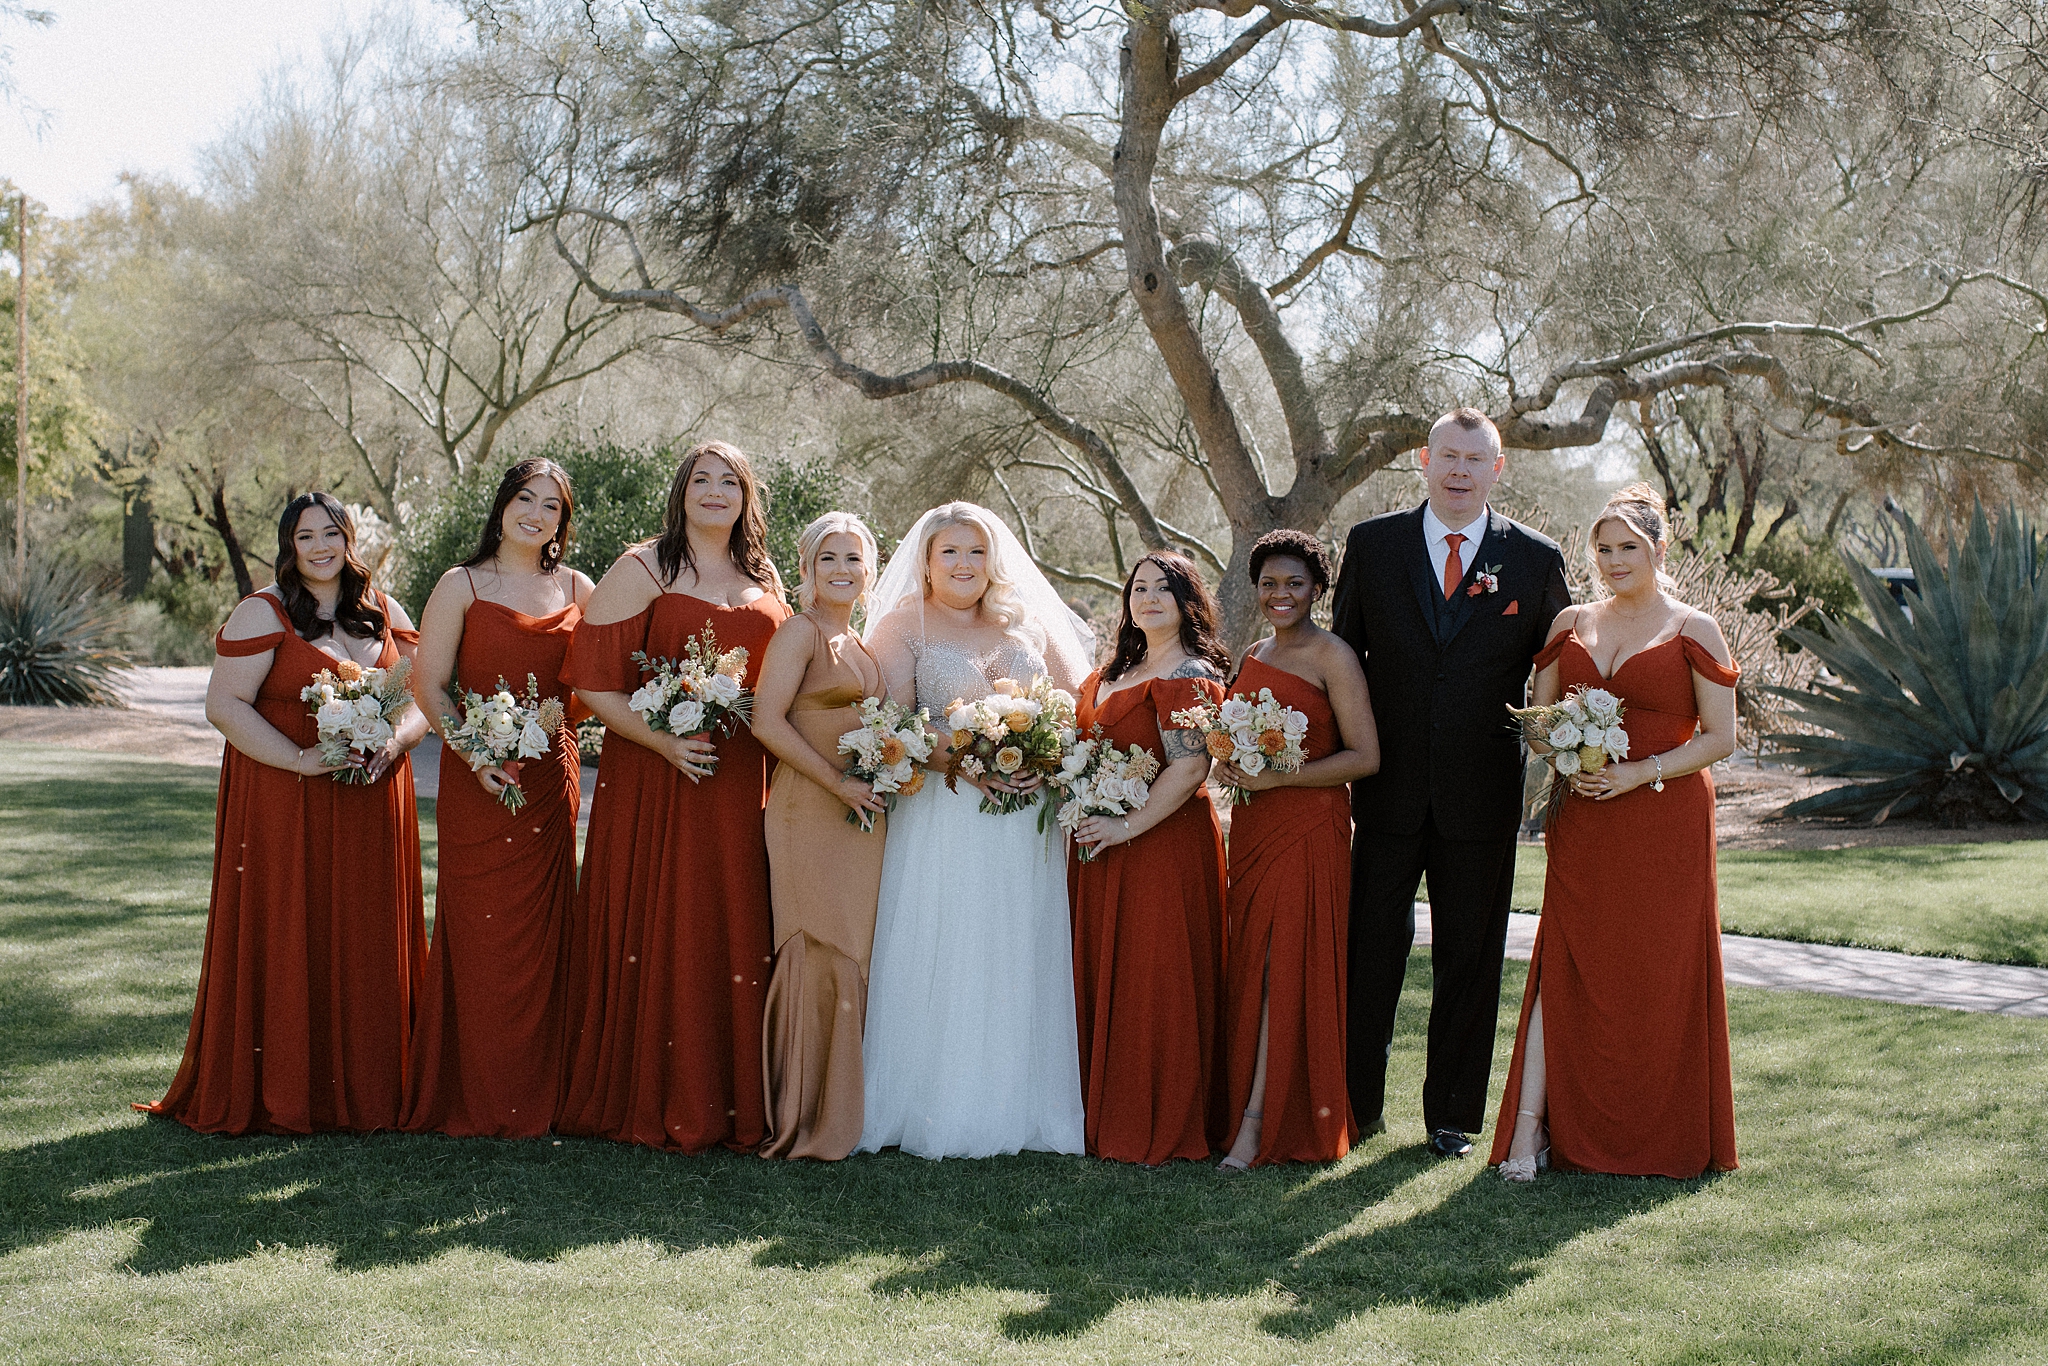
950, 670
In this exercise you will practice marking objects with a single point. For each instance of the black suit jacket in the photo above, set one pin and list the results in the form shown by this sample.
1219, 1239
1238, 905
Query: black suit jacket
1443, 672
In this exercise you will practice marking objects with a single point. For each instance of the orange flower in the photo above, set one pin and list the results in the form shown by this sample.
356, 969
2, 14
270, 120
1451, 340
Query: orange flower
911, 788
892, 750
1271, 742
962, 739
348, 671
1018, 722
1219, 745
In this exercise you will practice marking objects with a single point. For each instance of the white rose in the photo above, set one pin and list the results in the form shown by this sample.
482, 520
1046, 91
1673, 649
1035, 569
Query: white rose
1599, 701
1617, 743
533, 741
1594, 735
335, 714
1252, 763
1567, 761
724, 688
686, 717
1236, 712
1566, 736
369, 731
1572, 707
960, 718
368, 706
1294, 725
644, 699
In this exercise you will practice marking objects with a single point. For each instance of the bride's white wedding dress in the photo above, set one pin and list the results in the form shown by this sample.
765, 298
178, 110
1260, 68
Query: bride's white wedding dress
970, 1043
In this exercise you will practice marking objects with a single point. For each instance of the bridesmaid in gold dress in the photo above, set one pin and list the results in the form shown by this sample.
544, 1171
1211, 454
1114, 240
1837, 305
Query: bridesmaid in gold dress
824, 872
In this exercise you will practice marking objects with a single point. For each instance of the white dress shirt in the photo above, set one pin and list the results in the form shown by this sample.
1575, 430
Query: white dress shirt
1433, 533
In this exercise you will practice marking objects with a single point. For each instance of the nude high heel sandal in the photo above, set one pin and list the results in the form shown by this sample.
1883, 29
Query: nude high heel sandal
1231, 1166
1522, 1170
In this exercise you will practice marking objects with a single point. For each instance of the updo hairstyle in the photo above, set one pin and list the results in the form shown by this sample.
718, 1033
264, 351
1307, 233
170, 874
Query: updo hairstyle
813, 538
1640, 508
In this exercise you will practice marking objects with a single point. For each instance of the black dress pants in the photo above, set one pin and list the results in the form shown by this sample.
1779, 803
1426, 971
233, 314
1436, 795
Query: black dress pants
1471, 883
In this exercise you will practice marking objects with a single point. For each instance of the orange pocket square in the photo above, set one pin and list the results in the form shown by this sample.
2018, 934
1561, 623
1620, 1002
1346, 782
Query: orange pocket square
1513, 609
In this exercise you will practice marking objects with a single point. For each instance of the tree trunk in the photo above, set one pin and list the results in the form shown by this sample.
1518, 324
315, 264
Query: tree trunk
138, 543
224, 527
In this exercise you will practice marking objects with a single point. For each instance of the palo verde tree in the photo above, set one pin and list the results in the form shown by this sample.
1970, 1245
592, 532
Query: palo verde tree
1224, 259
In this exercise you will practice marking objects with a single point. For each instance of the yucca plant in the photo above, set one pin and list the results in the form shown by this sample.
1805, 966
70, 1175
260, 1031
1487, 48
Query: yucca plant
1941, 711
57, 639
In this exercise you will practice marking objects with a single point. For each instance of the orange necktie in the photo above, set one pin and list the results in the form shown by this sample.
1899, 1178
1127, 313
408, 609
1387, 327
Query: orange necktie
1454, 568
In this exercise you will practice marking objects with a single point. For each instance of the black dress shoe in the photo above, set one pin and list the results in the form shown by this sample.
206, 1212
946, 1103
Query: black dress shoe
1449, 1143
1378, 1126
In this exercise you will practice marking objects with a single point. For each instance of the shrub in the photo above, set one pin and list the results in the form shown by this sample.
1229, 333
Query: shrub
797, 495
1943, 710
57, 639
1809, 569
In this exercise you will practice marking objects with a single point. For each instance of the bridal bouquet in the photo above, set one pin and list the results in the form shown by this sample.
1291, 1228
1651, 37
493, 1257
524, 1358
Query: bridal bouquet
696, 694
353, 707
1098, 779
1012, 732
1254, 733
502, 730
887, 748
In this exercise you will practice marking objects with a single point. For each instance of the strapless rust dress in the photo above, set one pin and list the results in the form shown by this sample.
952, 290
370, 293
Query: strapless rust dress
1628, 950
1290, 916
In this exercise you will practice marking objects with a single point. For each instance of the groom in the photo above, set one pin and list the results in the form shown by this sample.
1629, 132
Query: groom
1446, 605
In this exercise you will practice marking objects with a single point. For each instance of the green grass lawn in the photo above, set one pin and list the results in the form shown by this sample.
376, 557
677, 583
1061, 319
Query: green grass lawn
1892, 1204
1983, 901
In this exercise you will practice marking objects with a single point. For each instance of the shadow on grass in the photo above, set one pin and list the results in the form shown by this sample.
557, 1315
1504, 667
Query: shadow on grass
1082, 1234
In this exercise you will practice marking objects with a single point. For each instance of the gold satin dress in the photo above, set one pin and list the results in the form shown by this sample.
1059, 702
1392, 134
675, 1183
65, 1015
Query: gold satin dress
824, 878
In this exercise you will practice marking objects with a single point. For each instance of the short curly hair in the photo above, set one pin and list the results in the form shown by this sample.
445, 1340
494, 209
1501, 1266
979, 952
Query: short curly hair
1295, 545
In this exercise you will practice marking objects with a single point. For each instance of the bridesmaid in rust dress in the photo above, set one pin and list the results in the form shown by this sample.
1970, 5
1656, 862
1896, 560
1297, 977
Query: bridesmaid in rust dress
1621, 1059
487, 1043
669, 966
824, 873
315, 931
1290, 877
1148, 909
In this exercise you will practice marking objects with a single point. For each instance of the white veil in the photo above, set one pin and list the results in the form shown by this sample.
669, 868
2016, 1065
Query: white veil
1069, 643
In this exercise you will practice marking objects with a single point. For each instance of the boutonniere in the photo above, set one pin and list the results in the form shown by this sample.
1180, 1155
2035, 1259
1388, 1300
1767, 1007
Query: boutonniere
1486, 580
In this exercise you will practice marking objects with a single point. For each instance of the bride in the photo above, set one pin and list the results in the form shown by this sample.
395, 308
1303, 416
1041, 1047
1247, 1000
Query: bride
970, 1043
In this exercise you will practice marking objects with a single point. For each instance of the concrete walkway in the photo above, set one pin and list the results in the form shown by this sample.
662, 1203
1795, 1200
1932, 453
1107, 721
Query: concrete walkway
1869, 974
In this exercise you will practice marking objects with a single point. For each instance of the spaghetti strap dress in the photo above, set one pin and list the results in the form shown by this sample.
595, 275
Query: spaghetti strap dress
824, 879
315, 930
1148, 955
1628, 950
487, 1045
670, 958
1289, 918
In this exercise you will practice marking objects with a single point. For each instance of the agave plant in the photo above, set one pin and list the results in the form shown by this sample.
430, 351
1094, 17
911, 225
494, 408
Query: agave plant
56, 639
1941, 710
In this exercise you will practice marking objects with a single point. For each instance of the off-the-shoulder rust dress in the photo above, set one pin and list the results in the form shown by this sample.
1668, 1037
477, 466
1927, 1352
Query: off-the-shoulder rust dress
1290, 913
487, 1044
824, 878
1628, 951
315, 932
1148, 955
669, 964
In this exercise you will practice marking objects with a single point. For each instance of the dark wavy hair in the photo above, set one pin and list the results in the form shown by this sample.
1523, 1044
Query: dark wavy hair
517, 478
1294, 545
1197, 618
356, 612
748, 544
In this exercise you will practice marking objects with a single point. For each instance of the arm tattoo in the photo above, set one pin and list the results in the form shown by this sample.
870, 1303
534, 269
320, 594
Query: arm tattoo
1182, 744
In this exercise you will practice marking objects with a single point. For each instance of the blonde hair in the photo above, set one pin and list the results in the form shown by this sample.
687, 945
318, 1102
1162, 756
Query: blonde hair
1001, 601
813, 540
1640, 508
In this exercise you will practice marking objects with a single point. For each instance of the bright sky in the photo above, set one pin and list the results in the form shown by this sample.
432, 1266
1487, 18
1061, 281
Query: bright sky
142, 85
